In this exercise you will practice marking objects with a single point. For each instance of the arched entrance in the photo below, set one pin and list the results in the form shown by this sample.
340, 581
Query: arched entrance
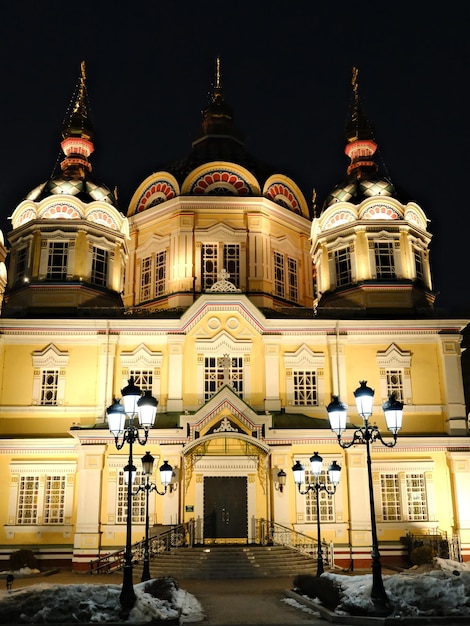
226, 478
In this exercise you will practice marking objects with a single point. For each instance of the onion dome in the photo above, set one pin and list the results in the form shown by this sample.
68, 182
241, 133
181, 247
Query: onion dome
77, 145
363, 178
219, 139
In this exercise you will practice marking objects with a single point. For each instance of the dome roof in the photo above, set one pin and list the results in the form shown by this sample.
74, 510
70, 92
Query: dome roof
86, 189
218, 139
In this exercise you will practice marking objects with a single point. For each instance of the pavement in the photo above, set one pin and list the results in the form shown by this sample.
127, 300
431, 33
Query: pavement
246, 602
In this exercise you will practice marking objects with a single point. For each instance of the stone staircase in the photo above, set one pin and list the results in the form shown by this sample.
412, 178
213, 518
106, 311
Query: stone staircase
224, 562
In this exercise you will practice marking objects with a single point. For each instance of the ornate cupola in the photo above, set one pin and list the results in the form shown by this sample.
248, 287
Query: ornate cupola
370, 251
218, 219
68, 240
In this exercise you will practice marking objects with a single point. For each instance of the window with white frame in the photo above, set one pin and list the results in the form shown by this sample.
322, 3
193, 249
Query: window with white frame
384, 260
153, 276
419, 266
404, 496
138, 500
304, 379
143, 378
143, 365
42, 498
305, 387
99, 266
57, 257
21, 263
49, 386
220, 371
216, 257
395, 383
41, 494
342, 265
160, 273
49, 376
326, 501
395, 373
146, 279
286, 276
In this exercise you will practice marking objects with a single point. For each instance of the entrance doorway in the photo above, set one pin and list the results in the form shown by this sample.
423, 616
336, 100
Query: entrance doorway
225, 508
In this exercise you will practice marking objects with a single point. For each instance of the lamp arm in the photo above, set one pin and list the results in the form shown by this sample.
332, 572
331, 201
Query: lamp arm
131, 435
375, 435
317, 487
359, 436
330, 491
153, 487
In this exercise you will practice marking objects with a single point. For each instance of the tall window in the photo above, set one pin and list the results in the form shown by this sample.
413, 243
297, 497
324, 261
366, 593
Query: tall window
384, 260
326, 501
342, 259
279, 280
49, 386
146, 279
285, 277
21, 263
395, 383
153, 276
419, 264
305, 387
138, 501
99, 266
403, 500
217, 257
27, 511
54, 499
160, 273
57, 260
220, 371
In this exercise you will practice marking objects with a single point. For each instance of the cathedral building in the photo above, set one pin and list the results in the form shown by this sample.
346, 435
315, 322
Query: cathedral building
244, 311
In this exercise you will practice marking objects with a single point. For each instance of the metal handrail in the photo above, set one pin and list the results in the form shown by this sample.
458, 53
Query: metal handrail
272, 533
176, 536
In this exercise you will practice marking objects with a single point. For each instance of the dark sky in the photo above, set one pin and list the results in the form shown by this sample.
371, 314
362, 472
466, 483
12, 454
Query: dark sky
286, 72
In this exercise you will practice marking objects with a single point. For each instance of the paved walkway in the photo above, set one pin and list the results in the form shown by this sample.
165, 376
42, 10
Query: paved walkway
236, 602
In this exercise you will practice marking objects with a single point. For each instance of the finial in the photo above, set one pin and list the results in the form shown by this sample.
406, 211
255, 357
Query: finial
218, 81
79, 105
354, 81
314, 202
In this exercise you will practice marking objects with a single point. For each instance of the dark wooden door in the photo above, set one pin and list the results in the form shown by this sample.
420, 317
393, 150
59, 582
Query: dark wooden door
225, 507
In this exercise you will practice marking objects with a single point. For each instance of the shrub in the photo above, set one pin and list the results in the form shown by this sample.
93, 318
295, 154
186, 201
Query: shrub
22, 558
422, 555
321, 587
162, 588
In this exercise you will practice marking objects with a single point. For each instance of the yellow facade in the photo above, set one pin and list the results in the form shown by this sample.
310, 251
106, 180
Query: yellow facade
244, 316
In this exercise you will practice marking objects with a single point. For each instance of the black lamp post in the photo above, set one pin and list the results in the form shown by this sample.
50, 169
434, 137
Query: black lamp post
166, 473
299, 477
134, 404
368, 434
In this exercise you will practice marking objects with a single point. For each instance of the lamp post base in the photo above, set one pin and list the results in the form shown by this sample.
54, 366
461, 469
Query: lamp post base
127, 597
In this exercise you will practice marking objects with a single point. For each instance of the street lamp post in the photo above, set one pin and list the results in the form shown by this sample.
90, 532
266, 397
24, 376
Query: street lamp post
367, 435
134, 404
317, 486
166, 473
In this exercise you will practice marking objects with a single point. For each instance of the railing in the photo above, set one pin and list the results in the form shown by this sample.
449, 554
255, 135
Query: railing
174, 537
272, 533
443, 547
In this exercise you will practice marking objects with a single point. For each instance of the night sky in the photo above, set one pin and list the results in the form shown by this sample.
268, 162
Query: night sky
286, 72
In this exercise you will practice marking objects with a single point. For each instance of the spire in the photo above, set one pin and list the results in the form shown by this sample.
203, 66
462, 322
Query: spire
77, 132
360, 146
217, 117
